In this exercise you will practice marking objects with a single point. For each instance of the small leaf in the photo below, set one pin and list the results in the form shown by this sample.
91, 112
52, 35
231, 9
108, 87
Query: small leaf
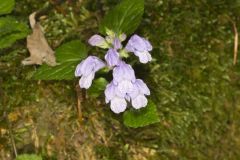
97, 87
68, 56
10, 31
142, 117
28, 157
124, 18
6, 6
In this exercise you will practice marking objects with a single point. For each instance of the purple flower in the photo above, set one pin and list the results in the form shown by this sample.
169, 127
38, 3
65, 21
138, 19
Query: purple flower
123, 72
117, 44
125, 87
112, 57
86, 70
138, 93
123, 76
117, 101
140, 47
99, 41
115, 41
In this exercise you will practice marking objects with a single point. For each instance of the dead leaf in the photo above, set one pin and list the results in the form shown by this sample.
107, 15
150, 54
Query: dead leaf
40, 51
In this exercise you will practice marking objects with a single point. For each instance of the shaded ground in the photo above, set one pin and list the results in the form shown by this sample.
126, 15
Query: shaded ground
192, 80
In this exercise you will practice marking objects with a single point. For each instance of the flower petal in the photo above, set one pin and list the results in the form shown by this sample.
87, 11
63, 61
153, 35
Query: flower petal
142, 87
86, 66
110, 91
144, 57
78, 72
86, 81
112, 57
117, 43
141, 47
129, 73
118, 105
129, 47
123, 72
134, 92
97, 40
138, 43
139, 102
125, 87
99, 64
118, 74
148, 45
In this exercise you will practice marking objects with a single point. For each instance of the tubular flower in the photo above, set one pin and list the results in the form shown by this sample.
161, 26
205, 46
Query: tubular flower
138, 93
140, 47
86, 70
123, 76
124, 87
117, 101
99, 41
117, 44
112, 57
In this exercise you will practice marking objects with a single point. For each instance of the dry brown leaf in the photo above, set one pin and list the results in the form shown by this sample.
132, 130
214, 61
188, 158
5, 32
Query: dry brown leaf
39, 49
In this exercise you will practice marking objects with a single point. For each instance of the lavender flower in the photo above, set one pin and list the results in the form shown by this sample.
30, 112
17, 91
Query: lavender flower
138, 93
117, 91
112, 57
117, 43
124, 86
99, 41
86, 69
140, 47
123, 76
117, 101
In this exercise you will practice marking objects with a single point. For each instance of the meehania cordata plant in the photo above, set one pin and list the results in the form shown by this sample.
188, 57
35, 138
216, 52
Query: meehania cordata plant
124, 86
125, 89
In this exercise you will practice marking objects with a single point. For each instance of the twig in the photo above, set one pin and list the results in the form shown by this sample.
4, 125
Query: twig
80, 99
11, 137
235, 50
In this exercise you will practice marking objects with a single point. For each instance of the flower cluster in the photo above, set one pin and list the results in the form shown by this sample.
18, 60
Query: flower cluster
125, 87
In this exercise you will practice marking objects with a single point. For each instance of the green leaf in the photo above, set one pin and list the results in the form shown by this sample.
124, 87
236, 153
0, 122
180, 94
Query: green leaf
10, 31
124, 18
142, 117
28, 157
6, 6
97, 87
68, 56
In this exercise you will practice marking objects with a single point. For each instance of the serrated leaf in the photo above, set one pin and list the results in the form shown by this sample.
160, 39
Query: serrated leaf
124, 18
143, 117
10, 31
68, 56
28, 157
97, 87
6, 6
